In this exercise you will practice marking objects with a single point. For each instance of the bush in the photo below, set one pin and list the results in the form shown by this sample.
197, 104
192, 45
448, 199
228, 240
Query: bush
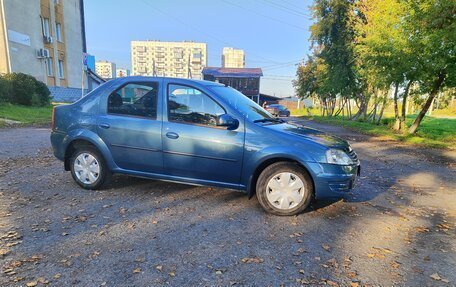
5, 91
26, 90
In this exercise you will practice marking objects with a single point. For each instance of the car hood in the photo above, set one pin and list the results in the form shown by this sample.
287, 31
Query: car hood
314, 135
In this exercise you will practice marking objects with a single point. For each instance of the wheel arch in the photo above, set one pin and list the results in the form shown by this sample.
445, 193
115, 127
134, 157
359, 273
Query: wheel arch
251, 189
86, 138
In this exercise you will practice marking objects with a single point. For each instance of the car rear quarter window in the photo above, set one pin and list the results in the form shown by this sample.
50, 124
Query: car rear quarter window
134, 99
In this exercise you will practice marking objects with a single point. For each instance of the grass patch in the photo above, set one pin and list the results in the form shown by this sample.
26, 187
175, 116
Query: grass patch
24, 114
433, 132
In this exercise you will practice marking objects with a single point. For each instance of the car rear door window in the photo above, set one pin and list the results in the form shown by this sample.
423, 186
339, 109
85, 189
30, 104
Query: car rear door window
134, 99
190, 105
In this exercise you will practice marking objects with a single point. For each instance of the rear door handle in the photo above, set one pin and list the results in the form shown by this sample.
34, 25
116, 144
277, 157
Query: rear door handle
172, 135
104, 126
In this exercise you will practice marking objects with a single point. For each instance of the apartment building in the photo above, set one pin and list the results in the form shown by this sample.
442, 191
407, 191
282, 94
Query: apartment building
122, 72
43, 38
105, 69
233, 58
170, 59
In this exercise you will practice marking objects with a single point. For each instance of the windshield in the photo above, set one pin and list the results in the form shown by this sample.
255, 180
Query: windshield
251, 110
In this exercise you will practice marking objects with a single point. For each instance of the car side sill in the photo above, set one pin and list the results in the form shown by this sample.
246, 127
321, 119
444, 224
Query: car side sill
179, 179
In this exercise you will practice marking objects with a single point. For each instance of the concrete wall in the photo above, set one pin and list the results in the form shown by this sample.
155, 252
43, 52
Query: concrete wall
73, 39
21, 37
24, 17
4, 62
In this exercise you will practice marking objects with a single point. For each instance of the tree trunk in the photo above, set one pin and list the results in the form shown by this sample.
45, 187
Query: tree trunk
435, 89
380, 115
404, 105
341, 109
397, 122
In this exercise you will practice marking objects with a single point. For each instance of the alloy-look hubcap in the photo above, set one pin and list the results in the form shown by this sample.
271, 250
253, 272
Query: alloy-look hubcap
285, 190
86, 168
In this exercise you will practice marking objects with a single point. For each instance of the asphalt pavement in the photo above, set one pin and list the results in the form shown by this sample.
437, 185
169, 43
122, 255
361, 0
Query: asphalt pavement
397, 228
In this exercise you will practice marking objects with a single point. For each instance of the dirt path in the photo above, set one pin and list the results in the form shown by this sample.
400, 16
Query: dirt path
397, 228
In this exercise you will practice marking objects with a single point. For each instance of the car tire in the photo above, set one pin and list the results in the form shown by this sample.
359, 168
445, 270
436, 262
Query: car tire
88, 168
284, 188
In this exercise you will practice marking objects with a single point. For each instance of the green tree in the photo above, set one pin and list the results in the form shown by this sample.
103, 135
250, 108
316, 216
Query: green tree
332, 36
384, 57
431, 29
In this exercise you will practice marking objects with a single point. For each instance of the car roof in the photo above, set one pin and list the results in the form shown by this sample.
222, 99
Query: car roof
178, 80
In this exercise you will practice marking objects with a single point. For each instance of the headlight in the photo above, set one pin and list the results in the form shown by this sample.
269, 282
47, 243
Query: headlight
337, 156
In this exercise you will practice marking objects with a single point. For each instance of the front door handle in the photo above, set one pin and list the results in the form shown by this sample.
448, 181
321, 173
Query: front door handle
172, 135
104, 126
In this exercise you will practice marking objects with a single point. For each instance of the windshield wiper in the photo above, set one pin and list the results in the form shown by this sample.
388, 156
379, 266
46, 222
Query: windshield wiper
264, 120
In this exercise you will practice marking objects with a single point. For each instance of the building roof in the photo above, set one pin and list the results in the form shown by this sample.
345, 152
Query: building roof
65, 95
269, 97
233, 72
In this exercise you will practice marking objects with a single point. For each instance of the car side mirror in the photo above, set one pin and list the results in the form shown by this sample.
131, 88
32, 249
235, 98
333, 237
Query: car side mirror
228, 121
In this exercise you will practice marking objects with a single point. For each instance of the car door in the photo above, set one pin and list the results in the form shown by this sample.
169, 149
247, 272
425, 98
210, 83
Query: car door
131, 126
193, 145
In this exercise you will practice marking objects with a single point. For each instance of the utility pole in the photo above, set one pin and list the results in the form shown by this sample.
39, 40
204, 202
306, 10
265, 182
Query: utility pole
189, 71
154, 73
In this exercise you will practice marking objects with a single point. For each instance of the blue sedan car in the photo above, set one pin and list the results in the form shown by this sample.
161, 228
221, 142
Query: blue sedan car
201, 133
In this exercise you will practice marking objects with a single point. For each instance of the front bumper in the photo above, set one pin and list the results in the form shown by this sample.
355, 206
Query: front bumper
335, 180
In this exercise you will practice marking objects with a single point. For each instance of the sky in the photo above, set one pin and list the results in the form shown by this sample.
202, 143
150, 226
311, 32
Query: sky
273, 33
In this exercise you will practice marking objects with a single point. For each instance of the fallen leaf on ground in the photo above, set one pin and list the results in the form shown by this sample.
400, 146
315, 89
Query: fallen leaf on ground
252, 260
159, 267
436, 276
172, 274
137, 270
326, 247
42, 280
31, 284
4, 252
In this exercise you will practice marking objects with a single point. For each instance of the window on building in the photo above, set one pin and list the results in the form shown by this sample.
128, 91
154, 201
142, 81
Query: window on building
138, 100
61, 70
49, 67
46, 27
189, 105
58, 29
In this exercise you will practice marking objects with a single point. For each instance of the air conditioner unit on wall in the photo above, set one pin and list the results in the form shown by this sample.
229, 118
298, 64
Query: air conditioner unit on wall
42, 53
48, 39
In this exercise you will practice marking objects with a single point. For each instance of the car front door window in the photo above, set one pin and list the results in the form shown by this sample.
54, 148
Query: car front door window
191, 106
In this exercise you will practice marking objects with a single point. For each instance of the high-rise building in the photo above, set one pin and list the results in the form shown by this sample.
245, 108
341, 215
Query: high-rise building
121, 72
233, 58
105, 69
169, 59
43, 38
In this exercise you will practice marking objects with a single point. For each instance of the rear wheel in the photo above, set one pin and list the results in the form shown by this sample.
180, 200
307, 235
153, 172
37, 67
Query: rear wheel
284, 188
88, 168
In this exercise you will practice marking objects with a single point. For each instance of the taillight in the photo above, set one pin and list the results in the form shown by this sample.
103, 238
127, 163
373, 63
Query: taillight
52, 118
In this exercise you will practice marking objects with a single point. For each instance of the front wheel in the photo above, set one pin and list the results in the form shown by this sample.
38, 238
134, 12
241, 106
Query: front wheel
284, 188
88, 168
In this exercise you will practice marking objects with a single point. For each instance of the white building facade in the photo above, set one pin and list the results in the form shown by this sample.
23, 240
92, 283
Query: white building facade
169, 59
233, 58
105, 69
43, 38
